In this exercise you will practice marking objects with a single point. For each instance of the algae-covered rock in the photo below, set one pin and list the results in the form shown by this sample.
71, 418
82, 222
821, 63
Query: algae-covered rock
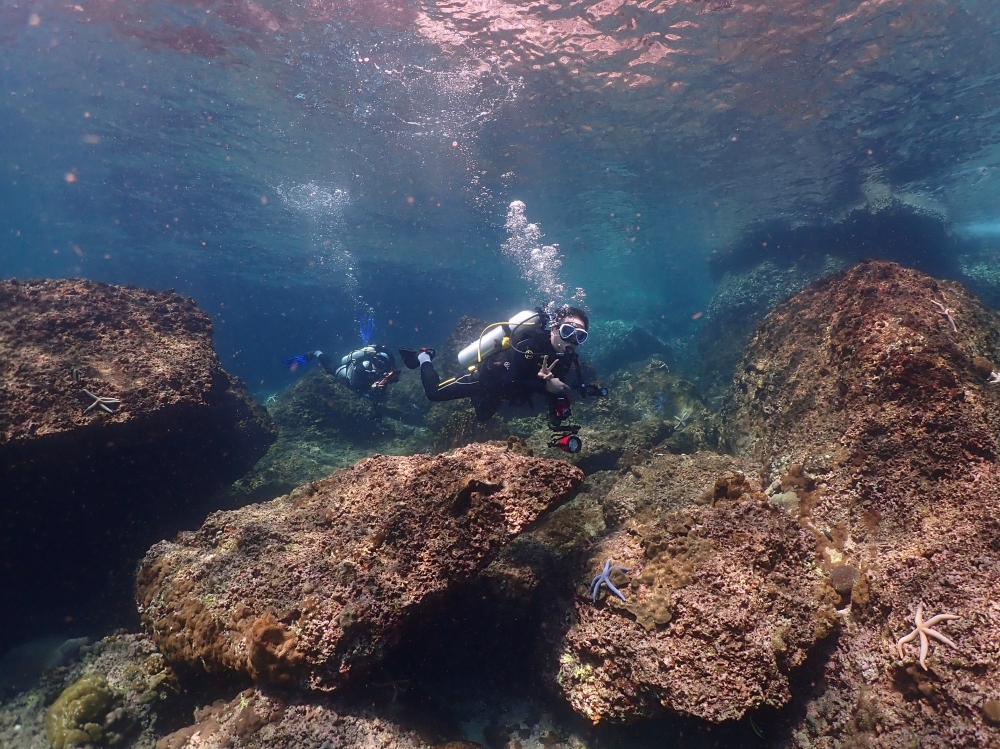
77, 716
313, 587
721, 608
868, 395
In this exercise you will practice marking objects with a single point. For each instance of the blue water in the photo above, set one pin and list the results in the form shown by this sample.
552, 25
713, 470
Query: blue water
294, 167
641, 139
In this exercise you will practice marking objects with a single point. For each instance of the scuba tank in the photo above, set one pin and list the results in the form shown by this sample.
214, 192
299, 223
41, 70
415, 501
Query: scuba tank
496, 339
349, 364
358, 354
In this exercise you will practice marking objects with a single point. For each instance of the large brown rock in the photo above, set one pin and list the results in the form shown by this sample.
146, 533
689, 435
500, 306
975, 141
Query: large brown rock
723, 601
84, 487
312, 587
256, 719
867, 399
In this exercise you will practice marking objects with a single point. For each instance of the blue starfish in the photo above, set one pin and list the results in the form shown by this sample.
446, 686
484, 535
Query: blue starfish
604, 577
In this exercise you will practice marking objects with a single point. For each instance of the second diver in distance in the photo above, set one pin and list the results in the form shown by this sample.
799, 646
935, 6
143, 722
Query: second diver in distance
368, 370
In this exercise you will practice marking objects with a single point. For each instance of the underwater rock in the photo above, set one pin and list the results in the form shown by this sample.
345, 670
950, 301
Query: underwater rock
722, 603
616, 343
256, 719
741, 298
120, 690
315, 586
108, 394
21, 666
868, 395
542, 557
463, 428
668, 483
320, 408
323, 426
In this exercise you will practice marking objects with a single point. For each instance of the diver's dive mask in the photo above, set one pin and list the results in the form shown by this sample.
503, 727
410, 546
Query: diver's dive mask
569, 332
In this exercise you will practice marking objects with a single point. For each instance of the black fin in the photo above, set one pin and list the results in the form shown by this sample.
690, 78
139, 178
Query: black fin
409, 357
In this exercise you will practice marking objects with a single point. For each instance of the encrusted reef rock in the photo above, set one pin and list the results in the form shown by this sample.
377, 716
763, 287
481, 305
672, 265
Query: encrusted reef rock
115, 417
723, 600
321, 408
314, 586
255, 719
868, 399
120, 693
323, 425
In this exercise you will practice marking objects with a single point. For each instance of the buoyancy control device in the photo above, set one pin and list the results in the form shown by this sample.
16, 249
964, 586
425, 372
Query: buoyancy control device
497, 338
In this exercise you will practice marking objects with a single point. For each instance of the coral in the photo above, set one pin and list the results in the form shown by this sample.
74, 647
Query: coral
257, 719
77, 716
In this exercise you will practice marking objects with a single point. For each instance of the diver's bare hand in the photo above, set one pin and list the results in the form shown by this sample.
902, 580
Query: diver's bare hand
545, 372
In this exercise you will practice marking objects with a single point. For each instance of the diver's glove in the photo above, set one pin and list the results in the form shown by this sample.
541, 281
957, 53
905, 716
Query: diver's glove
424, 357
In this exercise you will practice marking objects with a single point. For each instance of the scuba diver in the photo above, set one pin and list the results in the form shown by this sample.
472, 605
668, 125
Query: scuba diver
527, 355
368, 370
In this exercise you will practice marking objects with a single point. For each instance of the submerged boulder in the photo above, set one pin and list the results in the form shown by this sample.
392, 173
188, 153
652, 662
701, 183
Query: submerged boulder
722, 602
117, 692
314, 586
256, 719
115, 418
869, 399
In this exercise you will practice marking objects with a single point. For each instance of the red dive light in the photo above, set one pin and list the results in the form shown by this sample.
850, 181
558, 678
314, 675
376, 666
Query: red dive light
568, 443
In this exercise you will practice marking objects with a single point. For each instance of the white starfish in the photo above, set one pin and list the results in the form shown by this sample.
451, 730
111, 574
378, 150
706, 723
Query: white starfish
923, 629
682, 419
942, 310
101, 401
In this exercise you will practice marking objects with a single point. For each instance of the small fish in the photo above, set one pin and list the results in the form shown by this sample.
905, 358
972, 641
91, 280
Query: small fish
76, 375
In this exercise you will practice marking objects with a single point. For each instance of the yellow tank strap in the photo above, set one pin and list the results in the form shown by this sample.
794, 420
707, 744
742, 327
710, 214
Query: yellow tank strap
446, 382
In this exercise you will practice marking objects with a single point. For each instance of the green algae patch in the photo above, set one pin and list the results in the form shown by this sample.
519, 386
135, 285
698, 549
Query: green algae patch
77, 716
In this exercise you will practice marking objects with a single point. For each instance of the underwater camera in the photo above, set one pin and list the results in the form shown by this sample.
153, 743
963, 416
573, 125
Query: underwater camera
565, 437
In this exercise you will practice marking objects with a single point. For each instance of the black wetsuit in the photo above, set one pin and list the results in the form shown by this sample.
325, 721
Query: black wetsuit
510, 375
365, 372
